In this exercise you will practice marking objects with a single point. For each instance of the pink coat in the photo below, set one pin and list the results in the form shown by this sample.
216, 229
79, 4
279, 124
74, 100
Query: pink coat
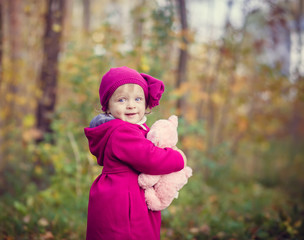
117, 208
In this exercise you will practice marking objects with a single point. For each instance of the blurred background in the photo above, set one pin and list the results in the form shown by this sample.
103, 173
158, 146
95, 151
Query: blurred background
233, 71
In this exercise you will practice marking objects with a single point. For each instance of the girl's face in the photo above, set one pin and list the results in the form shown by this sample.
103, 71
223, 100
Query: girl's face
128, 103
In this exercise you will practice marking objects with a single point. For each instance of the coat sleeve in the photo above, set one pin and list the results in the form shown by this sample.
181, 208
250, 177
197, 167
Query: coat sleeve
130, 146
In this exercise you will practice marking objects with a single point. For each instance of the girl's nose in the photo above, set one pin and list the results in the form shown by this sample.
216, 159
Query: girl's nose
131, 104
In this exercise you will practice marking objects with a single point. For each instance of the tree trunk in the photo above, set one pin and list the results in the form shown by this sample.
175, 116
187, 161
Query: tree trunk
86, 16
212, 85
183, 54
15, 48
1, 41
11, 120
220, 131
299, 32
138, 31
1, 80
49, 71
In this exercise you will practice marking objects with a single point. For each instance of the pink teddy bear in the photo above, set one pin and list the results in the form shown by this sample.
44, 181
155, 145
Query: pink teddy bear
160, 190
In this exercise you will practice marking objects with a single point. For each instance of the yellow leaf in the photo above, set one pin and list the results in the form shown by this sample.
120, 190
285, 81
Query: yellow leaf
27, 8
198, 96
217, 98
98, 37
38, 170
191, 115
28, 121
144, 64
56, 27
182, 89
193, 142
145, 67
9, 97
47, 147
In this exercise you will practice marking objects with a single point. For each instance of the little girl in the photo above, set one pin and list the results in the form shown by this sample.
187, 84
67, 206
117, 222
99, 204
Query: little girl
117, 208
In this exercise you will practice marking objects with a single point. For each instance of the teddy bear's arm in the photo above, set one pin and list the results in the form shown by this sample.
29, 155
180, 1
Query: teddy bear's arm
147, 180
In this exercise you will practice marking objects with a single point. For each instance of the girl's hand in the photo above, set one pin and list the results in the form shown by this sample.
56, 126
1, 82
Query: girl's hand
182, 153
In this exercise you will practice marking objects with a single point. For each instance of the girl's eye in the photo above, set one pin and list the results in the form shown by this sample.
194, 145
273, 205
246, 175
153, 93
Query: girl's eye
138, 99
121, 100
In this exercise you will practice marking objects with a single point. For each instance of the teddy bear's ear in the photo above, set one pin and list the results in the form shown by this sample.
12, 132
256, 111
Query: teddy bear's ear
174, 120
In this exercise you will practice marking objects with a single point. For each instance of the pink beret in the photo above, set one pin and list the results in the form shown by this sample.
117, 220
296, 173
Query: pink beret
115, 77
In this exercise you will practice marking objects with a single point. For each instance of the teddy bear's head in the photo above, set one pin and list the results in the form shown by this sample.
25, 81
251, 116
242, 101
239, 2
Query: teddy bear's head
163, 133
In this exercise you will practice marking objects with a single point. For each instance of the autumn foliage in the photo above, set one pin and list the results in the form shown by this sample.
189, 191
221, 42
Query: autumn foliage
241, 114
